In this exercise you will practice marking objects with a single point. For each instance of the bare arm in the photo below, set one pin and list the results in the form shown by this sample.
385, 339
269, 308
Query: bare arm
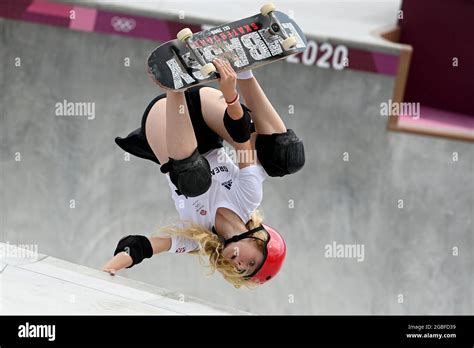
228, 87
122, 260
214, 105
264, 115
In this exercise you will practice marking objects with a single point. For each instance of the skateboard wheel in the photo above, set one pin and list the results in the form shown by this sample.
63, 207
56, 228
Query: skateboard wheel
208, 69
267, 8
289, 43
184, 34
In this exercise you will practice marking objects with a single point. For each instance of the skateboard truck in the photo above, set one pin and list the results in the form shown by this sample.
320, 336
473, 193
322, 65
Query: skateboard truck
275, 28
184, 36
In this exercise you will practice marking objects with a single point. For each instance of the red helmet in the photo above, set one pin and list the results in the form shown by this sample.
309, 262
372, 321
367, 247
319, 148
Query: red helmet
273, 253
274, 256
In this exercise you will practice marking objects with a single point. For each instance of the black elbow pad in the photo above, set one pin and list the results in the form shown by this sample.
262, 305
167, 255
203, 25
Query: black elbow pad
138, 247
240, 129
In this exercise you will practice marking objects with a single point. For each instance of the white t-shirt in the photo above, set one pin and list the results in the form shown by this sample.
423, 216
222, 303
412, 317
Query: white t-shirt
239, 190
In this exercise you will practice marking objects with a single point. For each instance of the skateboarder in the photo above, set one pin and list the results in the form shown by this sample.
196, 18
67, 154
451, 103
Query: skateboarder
216, 200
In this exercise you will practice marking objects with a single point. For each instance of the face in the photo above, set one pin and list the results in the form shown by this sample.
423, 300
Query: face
244, 254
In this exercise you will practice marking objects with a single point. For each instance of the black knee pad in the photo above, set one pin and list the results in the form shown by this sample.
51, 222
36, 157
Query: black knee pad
192, 175
280, 153
138, 247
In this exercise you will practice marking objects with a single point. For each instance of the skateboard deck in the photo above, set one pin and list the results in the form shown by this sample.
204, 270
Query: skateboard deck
247, 44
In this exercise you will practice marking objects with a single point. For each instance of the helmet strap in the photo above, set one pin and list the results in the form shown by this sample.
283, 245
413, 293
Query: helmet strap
247, 234
244, 235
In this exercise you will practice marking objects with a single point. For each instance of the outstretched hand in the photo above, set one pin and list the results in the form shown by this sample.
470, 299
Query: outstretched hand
118, 262
110, 271
227, 80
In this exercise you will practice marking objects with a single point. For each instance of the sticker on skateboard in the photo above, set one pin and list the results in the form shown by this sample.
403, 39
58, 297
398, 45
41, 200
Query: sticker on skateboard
247, 44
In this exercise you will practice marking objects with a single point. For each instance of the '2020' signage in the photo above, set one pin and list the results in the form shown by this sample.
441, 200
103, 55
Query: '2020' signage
324, 56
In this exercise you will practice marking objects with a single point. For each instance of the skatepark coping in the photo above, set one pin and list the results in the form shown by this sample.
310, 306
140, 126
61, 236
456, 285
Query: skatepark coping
351, 22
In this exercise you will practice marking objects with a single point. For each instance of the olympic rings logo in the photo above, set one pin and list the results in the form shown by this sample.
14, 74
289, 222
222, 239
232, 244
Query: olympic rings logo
123, 24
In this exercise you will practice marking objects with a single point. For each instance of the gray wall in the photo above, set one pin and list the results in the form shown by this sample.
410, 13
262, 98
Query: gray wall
407, 251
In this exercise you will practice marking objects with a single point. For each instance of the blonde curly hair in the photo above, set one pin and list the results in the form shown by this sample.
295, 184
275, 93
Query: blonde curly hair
211, 247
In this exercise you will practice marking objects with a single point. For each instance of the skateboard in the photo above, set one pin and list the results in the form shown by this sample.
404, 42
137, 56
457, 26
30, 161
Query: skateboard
248, 43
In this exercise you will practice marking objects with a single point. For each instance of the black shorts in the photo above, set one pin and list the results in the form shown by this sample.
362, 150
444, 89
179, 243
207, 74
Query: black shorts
137, 144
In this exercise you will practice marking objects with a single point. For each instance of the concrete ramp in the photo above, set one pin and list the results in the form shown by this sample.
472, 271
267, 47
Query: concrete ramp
67, 188
36, 284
